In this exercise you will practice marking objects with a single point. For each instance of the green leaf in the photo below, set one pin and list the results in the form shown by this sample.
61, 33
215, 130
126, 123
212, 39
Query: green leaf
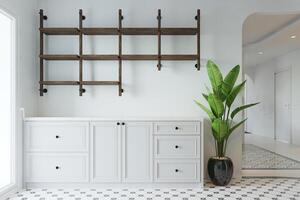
205, 109
205, 96
214, 75
235, 126
238, 109
216, 105
230, 80
220, 129
233, 94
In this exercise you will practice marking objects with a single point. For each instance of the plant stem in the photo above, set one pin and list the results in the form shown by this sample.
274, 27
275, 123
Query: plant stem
225, 146
216, 148
220, 149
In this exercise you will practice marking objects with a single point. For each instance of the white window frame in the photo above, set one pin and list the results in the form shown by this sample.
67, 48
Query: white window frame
13, 186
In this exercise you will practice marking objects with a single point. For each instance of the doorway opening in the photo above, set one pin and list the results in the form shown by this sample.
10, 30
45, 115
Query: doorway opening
271, 61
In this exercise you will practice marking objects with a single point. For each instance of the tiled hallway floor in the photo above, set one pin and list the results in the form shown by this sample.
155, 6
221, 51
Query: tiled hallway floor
247, 189
255, 157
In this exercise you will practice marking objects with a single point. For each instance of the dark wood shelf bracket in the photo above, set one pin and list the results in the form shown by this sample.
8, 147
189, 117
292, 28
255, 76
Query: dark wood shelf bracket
159, 40
42, 89
198, 65
81, 89
120, 52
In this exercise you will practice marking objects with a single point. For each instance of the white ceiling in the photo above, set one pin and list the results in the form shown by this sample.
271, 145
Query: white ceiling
270, 34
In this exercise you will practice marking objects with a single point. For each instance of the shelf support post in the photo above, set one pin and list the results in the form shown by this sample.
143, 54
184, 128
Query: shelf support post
198, 40
159, 40
42, 18
81, 89
120, 52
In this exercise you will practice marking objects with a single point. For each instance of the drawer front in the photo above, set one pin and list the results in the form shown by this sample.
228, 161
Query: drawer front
177, 146
177, 171
177, 128
56, 168
56, 136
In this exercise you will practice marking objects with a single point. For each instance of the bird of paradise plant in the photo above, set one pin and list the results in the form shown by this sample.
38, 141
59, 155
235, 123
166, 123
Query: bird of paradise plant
220, 99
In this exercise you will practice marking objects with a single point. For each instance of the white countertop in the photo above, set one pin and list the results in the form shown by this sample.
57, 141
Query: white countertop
28, 119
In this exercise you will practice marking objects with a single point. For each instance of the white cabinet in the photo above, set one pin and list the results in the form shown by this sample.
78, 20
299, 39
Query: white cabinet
137, 152
50, 167
177, 146
177, 171
106, 151
57, 136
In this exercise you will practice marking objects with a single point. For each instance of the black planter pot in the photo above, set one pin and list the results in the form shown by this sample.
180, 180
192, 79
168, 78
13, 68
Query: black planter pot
220, 170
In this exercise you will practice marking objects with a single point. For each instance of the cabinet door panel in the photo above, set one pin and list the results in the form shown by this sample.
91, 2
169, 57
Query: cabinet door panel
106, 146
137, 152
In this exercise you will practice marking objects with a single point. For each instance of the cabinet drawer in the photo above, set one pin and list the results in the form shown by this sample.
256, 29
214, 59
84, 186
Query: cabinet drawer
177, 128
56, 167
56, 136
177, 146
177, 171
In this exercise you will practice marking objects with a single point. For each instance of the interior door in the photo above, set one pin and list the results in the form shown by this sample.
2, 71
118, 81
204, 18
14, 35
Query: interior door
137, 152
282, 106
106, 152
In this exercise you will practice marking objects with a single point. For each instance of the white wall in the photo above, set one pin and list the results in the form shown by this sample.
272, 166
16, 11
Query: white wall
292, 61
261, 89
147, 91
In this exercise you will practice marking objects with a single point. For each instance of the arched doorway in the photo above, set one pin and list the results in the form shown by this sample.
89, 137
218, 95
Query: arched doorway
271, 47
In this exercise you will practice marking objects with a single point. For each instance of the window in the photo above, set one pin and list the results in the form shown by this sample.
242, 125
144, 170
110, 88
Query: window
6, 99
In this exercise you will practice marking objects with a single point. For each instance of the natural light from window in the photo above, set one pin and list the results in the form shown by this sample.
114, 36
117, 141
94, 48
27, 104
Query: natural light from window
6, 67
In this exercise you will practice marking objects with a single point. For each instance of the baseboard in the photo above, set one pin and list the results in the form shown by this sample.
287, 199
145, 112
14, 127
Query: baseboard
293, 173
117, 185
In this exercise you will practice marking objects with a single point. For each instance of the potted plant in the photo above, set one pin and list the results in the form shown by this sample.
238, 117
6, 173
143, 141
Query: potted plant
220, 99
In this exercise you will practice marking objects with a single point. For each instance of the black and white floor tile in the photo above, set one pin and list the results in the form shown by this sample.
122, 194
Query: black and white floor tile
246, 189
255, 157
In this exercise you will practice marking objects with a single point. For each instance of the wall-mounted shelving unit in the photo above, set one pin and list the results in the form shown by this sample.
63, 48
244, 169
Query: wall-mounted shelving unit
120, 57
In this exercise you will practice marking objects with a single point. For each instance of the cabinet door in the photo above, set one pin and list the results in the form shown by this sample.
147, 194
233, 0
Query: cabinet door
137, 152
106, 155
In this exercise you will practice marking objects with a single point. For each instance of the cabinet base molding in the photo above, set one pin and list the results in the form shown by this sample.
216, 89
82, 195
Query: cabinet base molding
112, 186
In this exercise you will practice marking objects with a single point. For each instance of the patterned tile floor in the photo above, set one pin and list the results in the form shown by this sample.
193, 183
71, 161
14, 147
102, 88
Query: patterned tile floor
247, 189
259, 158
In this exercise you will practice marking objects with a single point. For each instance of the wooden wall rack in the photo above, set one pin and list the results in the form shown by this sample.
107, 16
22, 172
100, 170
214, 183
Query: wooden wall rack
120, 57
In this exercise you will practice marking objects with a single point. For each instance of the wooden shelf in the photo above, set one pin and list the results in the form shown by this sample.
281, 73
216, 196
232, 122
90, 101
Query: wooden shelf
155, 57
163, 31
60, 57
100, 82
118, 31
100, 57
78, 82
60, 31
99, 31
125, 57
59, 82
139, 31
